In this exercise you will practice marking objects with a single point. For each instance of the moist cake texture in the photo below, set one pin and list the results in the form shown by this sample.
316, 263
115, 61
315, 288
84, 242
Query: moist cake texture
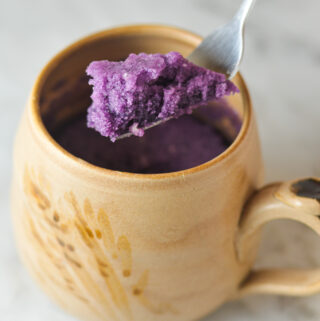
145, 88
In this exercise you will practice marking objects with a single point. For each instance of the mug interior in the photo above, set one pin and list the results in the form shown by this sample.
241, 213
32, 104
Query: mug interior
64, 93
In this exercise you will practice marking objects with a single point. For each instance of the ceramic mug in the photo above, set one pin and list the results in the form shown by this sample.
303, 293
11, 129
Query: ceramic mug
110, 245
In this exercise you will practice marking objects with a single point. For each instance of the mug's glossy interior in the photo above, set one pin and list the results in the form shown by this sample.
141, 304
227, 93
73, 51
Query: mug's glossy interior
64, 91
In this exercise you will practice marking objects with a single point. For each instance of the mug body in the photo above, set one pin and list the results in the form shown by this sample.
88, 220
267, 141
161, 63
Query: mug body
108, 245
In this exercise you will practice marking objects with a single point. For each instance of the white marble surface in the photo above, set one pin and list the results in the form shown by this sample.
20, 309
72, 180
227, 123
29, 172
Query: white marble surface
281, 65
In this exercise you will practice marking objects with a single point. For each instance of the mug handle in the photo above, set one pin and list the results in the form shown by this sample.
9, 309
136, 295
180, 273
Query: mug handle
295, 200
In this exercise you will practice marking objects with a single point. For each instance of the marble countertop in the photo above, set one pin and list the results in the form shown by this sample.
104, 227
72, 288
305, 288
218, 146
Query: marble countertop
281, 64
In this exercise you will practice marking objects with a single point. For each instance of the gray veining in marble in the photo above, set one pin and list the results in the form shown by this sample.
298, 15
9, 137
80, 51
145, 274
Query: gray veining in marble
281, 66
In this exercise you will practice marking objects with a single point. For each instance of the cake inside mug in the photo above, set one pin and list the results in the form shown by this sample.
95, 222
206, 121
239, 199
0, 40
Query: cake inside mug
177, 144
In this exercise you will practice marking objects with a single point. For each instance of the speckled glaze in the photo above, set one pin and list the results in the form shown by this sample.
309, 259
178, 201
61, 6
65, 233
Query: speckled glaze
109, 245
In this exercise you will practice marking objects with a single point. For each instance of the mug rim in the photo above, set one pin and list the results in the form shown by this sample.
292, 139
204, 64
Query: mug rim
43, 134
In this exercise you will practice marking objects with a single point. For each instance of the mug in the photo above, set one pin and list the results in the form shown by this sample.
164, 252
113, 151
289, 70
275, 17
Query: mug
108, 245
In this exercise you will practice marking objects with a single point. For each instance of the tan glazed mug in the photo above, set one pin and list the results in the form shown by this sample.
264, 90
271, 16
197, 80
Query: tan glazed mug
108, 245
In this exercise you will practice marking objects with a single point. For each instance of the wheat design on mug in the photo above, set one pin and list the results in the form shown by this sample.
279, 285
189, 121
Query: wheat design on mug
61, 231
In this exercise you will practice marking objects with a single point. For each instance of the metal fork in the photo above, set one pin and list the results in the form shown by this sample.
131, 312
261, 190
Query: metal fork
221, 51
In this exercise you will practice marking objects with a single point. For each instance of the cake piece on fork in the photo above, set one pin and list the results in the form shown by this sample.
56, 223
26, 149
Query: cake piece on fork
129, 96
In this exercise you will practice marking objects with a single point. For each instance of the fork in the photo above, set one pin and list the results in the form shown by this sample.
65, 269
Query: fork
221, 51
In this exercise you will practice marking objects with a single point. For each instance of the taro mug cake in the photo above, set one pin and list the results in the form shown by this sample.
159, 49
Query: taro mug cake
132, 94
160, 227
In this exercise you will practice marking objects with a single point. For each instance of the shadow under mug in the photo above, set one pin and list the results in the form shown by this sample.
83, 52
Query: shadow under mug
110, 245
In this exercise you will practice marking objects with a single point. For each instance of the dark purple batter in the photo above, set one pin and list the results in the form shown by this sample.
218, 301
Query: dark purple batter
175, 145
132, 94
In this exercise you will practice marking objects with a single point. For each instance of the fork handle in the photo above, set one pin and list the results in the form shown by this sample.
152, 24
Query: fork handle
244, 10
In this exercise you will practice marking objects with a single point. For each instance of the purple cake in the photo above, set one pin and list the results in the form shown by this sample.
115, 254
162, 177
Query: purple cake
175, 145
145, 88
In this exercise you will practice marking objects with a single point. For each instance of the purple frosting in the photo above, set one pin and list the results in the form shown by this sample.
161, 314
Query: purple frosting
132, 94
